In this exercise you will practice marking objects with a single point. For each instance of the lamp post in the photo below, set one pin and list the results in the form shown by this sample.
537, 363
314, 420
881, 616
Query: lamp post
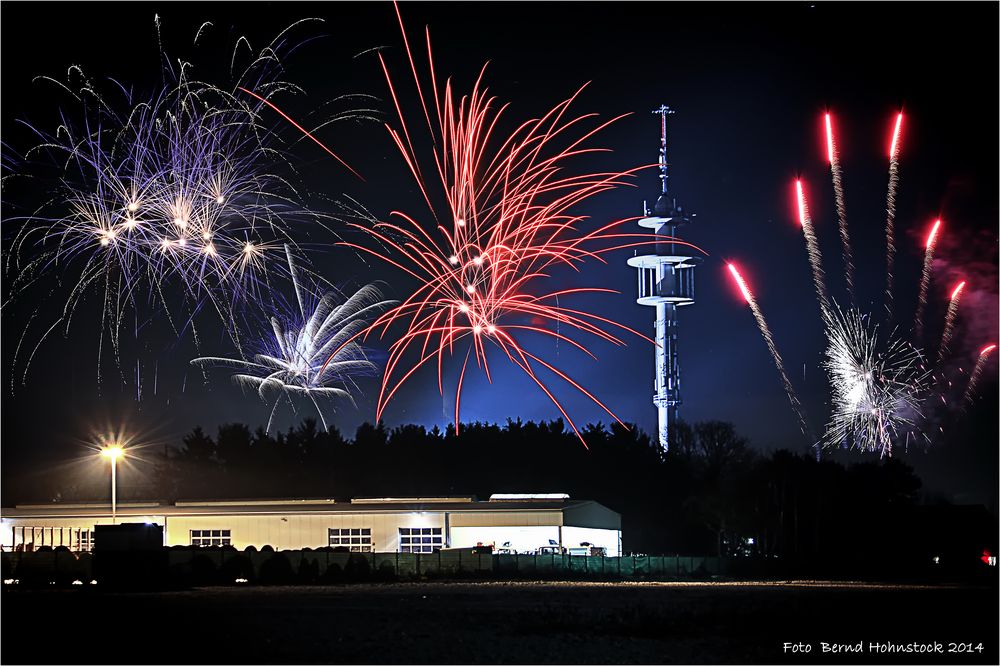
113, 453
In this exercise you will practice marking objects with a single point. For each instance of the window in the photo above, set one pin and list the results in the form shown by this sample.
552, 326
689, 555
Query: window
420, 539
358, 539
211, 538
86, 540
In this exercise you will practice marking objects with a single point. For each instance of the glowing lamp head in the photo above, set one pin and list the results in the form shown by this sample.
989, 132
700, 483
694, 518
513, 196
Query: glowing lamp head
932, 236
113, 452
958, 290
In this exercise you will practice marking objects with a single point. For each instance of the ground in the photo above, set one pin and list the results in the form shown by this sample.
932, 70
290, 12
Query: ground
496, 622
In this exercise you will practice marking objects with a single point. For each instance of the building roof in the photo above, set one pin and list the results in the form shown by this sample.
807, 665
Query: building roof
358, 505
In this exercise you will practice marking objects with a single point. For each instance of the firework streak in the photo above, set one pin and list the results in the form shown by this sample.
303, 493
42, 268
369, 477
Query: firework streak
812, 248
765, 331
294, 362
925, 280
838, 192
890, 209
949, 319
984, 355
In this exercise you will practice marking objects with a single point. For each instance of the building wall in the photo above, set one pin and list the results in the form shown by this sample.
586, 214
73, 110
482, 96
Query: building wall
293, 531
526, 530
522, 539
609, 539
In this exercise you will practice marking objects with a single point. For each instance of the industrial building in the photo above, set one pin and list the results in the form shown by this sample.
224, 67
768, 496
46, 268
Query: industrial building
509, 523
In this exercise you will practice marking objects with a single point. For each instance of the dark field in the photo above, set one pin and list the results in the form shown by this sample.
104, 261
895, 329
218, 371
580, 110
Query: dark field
498, 623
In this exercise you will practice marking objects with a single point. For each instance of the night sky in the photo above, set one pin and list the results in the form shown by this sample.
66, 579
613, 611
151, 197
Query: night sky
749, 83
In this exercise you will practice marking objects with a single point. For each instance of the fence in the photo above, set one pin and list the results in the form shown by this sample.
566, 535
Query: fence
210, 566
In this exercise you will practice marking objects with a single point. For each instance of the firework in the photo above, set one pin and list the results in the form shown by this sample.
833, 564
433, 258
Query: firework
765, 331
890, 208
925, 279
311, 354
505, 221
812, 248
876, 390
970, 389
167, 204
838, 192
949, 319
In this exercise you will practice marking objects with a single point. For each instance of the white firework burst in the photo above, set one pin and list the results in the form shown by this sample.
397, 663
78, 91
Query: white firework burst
877, 388
312, 354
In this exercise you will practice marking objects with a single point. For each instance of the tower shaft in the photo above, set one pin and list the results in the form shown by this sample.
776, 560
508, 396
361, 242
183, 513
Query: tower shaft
666, 281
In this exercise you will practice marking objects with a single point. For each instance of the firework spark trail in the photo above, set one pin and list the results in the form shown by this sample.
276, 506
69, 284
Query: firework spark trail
890, 208
970, 389
812, 248
925, 280
949, 319
168, 205
293, 361
506, 223
838, 192
765, 331
876, 391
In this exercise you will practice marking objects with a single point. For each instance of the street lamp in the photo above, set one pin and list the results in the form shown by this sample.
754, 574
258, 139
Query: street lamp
113, 453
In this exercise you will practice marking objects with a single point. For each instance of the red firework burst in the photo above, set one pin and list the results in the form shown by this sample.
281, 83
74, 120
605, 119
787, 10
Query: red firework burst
506, 222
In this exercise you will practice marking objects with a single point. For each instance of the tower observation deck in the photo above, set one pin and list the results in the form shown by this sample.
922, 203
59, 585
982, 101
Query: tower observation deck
666, 282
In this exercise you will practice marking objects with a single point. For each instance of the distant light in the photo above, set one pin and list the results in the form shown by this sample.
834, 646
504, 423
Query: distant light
750, 541
241, 580
936, 559
77, 582
93, 582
